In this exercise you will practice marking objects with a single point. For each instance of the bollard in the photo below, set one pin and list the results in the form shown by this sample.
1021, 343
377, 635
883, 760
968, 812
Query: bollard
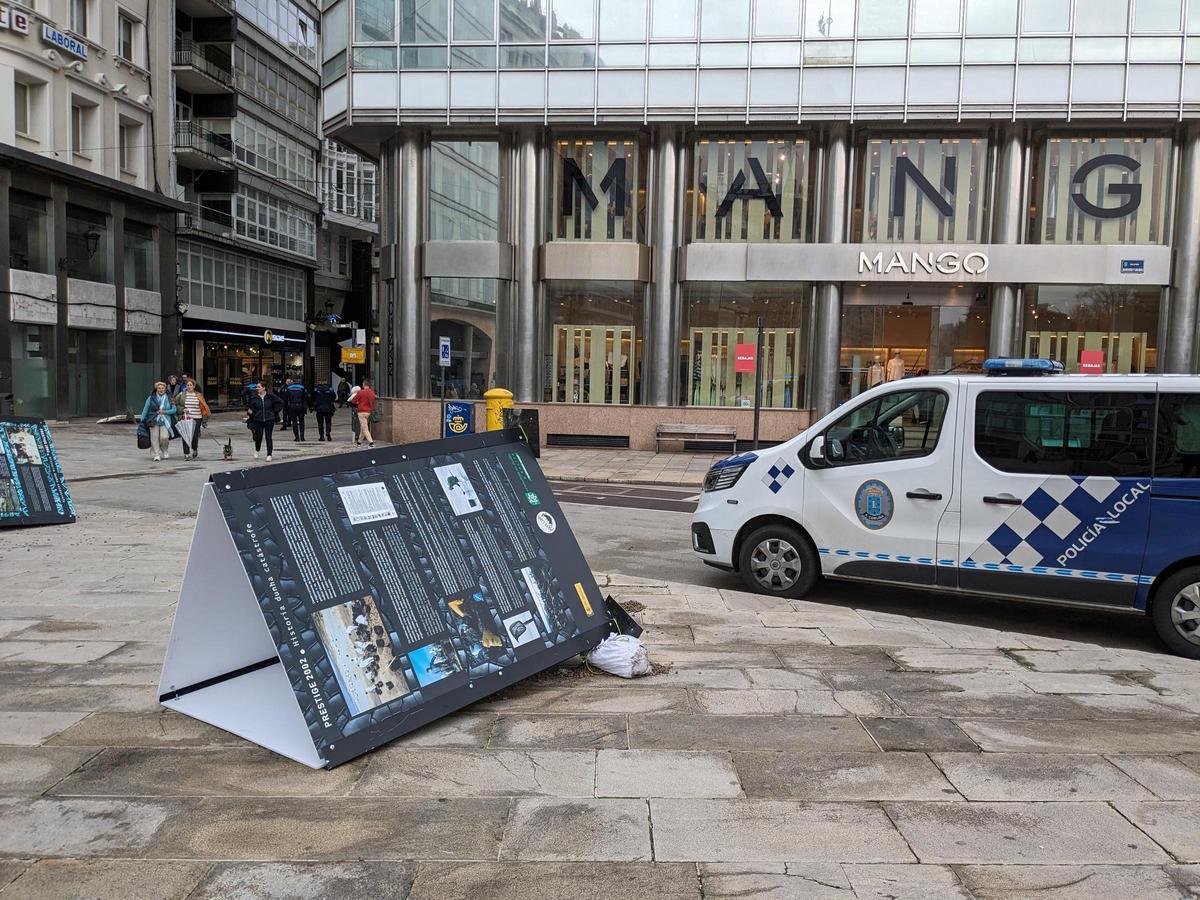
498, 400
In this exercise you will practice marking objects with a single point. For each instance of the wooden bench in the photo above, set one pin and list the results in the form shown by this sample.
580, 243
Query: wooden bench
709, 434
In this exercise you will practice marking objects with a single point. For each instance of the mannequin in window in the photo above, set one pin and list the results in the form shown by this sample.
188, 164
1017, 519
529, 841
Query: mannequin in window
895, 367
875, 371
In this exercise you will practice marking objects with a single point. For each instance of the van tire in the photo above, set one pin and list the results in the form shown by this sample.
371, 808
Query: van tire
779, 561
1170, 596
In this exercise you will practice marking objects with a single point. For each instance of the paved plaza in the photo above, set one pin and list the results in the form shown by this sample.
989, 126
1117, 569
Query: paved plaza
868, 744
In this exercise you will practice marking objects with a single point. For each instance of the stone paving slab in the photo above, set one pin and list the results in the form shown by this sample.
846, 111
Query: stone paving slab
1042, 833
1030, 776
774, 830
1068, 882
1176, 826
108, 879
842, 776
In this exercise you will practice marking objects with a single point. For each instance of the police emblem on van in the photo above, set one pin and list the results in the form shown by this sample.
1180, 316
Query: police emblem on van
873, 504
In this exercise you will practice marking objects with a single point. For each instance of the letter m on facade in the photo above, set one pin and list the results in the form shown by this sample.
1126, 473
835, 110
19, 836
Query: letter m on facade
614, 184
906, 170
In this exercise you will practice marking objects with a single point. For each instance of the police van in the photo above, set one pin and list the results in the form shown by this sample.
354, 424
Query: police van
1021, 482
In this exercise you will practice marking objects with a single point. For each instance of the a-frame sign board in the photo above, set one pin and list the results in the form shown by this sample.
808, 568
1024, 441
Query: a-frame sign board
334, 604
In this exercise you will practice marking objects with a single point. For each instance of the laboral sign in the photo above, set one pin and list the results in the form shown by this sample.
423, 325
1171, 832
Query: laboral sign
64, 42
916, 262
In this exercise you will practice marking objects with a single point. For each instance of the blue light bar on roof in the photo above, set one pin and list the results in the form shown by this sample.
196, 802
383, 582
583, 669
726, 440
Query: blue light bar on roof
1005, 366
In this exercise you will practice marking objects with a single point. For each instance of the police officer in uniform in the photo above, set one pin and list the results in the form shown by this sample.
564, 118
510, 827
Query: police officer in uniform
324, 400
295, 399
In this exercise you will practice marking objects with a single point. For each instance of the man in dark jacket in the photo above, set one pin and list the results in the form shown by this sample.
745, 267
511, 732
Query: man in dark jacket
295, 399
324, 399
343, 392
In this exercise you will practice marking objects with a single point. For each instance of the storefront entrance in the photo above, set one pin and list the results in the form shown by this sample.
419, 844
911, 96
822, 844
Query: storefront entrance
229, 365
893, 332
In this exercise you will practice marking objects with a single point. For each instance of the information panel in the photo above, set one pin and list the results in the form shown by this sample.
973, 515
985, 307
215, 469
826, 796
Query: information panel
396, 585
32, 488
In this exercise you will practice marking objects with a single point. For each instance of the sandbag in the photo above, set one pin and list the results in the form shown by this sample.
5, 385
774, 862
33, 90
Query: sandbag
622, 655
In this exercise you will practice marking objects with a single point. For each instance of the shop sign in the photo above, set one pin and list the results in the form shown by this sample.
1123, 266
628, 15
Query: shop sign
947, 262
745, 357
354, 355
71, 45
459, 419
13, 20
1091, 362
268, 337
1133, 267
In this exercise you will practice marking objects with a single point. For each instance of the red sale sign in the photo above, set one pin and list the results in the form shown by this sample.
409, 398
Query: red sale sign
745, 357
1091, 362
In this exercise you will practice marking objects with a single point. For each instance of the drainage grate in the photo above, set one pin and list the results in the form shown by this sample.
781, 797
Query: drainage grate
588, 440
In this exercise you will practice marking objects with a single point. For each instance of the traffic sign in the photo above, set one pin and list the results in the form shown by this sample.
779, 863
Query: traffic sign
443, 351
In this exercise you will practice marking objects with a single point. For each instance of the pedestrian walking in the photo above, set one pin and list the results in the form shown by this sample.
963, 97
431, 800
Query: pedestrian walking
172, 386
261, 416
158, 414
282, 394
192, 416
324, 399
364, 406
343, 392
296, 402
351, 401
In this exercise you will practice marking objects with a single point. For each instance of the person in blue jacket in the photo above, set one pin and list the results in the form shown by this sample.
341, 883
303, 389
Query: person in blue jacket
323, 401
158, 414
296, 403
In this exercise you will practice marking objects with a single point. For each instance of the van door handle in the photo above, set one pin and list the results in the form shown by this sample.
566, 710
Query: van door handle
1004, 501
923, 495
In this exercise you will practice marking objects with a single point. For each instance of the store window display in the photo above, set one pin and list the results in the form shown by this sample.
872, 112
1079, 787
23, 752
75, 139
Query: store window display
718, 317
1120, 323
593, 334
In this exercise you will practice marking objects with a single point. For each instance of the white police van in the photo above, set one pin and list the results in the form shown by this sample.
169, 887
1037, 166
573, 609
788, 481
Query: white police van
1080, 490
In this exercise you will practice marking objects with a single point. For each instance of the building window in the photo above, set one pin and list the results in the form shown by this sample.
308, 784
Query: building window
77, 127
79, 16
719, 317
1101, 189
87, 244
21, 116
260, 77
464, 191
348, 183
750, 189
464, 310
284, 22
593, 348
335, 31
375, 20
141, 257
1112, 328
222, 280
141, 368
274, 153
921, 189
33, 370
28, 232
265, 218
129, 146
598, 189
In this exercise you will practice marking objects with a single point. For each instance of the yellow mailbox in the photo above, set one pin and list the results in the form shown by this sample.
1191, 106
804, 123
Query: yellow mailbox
498, 400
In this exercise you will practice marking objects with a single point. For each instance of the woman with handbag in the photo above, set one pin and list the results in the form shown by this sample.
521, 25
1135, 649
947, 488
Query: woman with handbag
158, 415
193, 415
262, 413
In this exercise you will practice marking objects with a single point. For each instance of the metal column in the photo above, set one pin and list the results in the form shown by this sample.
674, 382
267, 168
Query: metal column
662, 344
411, 324
527, 196
827, 315
1004, 327
1178, 326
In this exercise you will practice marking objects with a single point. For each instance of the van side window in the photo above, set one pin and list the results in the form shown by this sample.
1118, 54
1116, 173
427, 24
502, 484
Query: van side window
1178, 450
1060, 433
900, 425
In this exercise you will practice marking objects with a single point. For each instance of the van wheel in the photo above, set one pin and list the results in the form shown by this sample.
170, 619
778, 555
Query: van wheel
1176, 612
777, 560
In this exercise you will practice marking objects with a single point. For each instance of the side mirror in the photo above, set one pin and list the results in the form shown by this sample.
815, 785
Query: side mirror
816, 450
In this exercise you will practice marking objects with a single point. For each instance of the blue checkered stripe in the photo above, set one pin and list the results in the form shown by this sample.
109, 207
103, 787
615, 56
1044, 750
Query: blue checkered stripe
777, 476
993, 567
1034, 534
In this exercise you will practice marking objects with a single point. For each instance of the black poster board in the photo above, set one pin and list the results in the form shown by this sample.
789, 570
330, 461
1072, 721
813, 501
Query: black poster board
32, 488
396, 586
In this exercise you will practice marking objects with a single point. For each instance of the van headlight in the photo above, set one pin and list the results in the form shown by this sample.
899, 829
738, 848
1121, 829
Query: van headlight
725, 473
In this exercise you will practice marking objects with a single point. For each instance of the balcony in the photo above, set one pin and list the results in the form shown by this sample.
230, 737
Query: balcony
199, 148
197, 73
208, 215
205, 9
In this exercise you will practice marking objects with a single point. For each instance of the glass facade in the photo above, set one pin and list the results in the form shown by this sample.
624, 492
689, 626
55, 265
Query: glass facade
598, 189
28, 232
464, 310
923, 189
257, 75
719, 317
464, 191
34, 376
1120, 323
750, 189
220, 279
274, 153
1102, 189
284, 22
87, 244
269, 220
141, 257
593, 351
141, 369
